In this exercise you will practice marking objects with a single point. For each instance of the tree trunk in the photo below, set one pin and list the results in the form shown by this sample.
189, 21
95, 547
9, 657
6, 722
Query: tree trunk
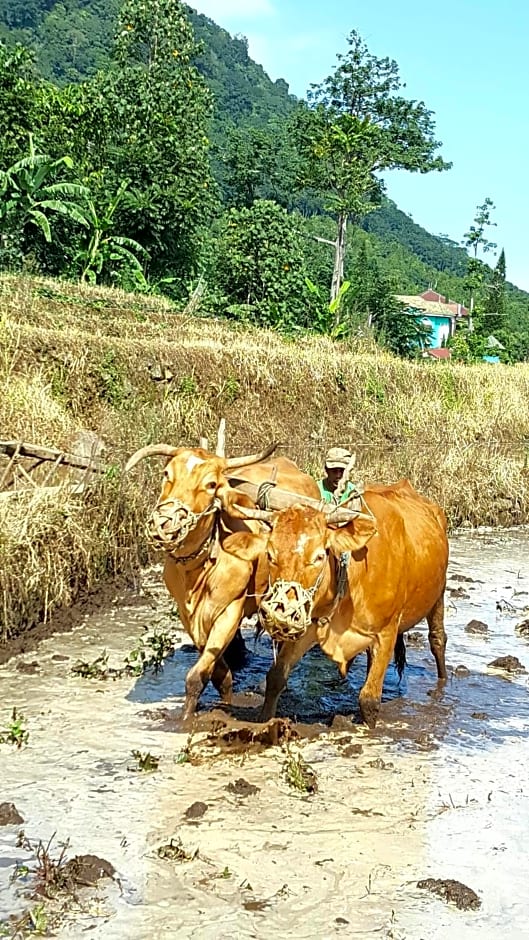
339, 256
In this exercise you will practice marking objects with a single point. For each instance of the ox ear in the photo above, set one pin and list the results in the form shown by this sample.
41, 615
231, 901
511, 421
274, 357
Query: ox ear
245, 545
229, 499
351, 538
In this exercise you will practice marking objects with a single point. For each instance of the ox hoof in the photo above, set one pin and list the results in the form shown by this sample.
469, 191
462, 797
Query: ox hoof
369, 709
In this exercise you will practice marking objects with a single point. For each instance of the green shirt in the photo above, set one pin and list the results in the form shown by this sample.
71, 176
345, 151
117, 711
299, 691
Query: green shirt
329, 497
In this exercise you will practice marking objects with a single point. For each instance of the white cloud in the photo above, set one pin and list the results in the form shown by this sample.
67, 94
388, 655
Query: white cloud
234, 9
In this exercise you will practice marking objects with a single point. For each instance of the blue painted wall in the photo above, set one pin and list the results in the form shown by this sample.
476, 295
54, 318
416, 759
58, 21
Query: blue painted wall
441, 329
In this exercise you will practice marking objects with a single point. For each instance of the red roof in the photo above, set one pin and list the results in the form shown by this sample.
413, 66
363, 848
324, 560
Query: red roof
442, 352
458, 309
434, 296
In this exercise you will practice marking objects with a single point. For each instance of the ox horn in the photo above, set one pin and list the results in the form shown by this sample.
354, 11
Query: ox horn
221, 439
233, 463
151, 450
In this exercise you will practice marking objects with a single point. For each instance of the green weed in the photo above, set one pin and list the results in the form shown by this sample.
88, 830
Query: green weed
16, 733
174, 851
147, 763
298, 774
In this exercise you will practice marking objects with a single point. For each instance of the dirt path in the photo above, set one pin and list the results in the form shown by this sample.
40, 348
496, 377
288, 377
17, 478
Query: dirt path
440, 791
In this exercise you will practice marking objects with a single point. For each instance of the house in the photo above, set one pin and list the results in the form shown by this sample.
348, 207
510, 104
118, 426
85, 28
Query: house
440, 315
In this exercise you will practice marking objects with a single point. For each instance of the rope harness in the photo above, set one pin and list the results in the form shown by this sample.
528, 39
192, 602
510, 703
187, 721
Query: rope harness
341, 587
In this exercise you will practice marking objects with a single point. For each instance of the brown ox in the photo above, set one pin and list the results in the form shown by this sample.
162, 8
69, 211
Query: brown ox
215, 567
396, 576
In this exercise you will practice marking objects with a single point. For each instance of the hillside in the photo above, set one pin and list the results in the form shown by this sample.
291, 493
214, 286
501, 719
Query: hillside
76, 358
72, 40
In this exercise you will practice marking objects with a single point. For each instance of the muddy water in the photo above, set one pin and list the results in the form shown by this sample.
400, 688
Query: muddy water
440, 790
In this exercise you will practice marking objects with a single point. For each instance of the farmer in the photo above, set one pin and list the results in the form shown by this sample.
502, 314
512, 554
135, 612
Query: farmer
336, 463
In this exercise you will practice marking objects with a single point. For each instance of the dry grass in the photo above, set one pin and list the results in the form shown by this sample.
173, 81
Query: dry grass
134, 370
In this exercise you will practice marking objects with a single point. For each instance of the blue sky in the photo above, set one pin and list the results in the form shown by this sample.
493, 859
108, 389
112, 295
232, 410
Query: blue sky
468, 60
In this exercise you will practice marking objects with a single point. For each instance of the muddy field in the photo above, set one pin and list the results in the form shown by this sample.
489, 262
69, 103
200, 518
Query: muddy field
314, 831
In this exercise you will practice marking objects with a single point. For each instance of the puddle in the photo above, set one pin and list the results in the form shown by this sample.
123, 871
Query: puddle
439, 791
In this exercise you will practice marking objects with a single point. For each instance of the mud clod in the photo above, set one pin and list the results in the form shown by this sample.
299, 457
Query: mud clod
416, 639
476, 626
241, 787
480, 716
459, 592
352, 750
508, 663
28, 669
452, 891
461, 671
343, 723
522, 629
380, 764
196, 810
9, 815
232, 736
87, 870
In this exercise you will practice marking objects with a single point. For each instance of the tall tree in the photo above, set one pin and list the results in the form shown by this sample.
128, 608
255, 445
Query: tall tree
258, 163
475, 241
145, 122
495, 308
357, 126
17, 102
372, 296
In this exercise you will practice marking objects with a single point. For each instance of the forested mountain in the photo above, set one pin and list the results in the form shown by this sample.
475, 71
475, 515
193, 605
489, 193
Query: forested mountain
72, 40
252, 156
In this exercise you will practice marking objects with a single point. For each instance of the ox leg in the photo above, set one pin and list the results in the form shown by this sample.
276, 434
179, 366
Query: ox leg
437, 636
221, 678
371, 692
276, 680
222, 631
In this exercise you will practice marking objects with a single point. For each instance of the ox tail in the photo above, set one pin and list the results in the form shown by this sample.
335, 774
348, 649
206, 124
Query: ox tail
235, 654
399, 655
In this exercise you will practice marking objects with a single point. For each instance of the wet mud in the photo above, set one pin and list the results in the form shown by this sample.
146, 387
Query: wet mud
218, 836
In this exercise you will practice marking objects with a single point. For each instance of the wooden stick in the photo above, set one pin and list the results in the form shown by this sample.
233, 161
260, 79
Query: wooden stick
14, 456
49, 453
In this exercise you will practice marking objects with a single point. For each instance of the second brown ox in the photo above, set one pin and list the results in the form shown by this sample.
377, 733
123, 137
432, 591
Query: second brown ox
215, 565
393, 577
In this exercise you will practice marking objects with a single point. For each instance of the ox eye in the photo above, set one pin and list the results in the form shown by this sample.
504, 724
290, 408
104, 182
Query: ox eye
318, 558
212, 485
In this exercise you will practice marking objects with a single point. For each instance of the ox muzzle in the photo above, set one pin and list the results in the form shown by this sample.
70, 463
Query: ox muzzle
172, 522
285, 611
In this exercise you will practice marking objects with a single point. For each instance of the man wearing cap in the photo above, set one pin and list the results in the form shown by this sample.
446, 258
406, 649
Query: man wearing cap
336, 462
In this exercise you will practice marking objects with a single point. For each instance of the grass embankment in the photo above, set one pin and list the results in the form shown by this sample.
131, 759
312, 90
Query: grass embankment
132, 370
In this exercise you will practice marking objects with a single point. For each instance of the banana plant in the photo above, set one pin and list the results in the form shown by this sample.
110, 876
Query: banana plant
328, 313
103, 248
30, 191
